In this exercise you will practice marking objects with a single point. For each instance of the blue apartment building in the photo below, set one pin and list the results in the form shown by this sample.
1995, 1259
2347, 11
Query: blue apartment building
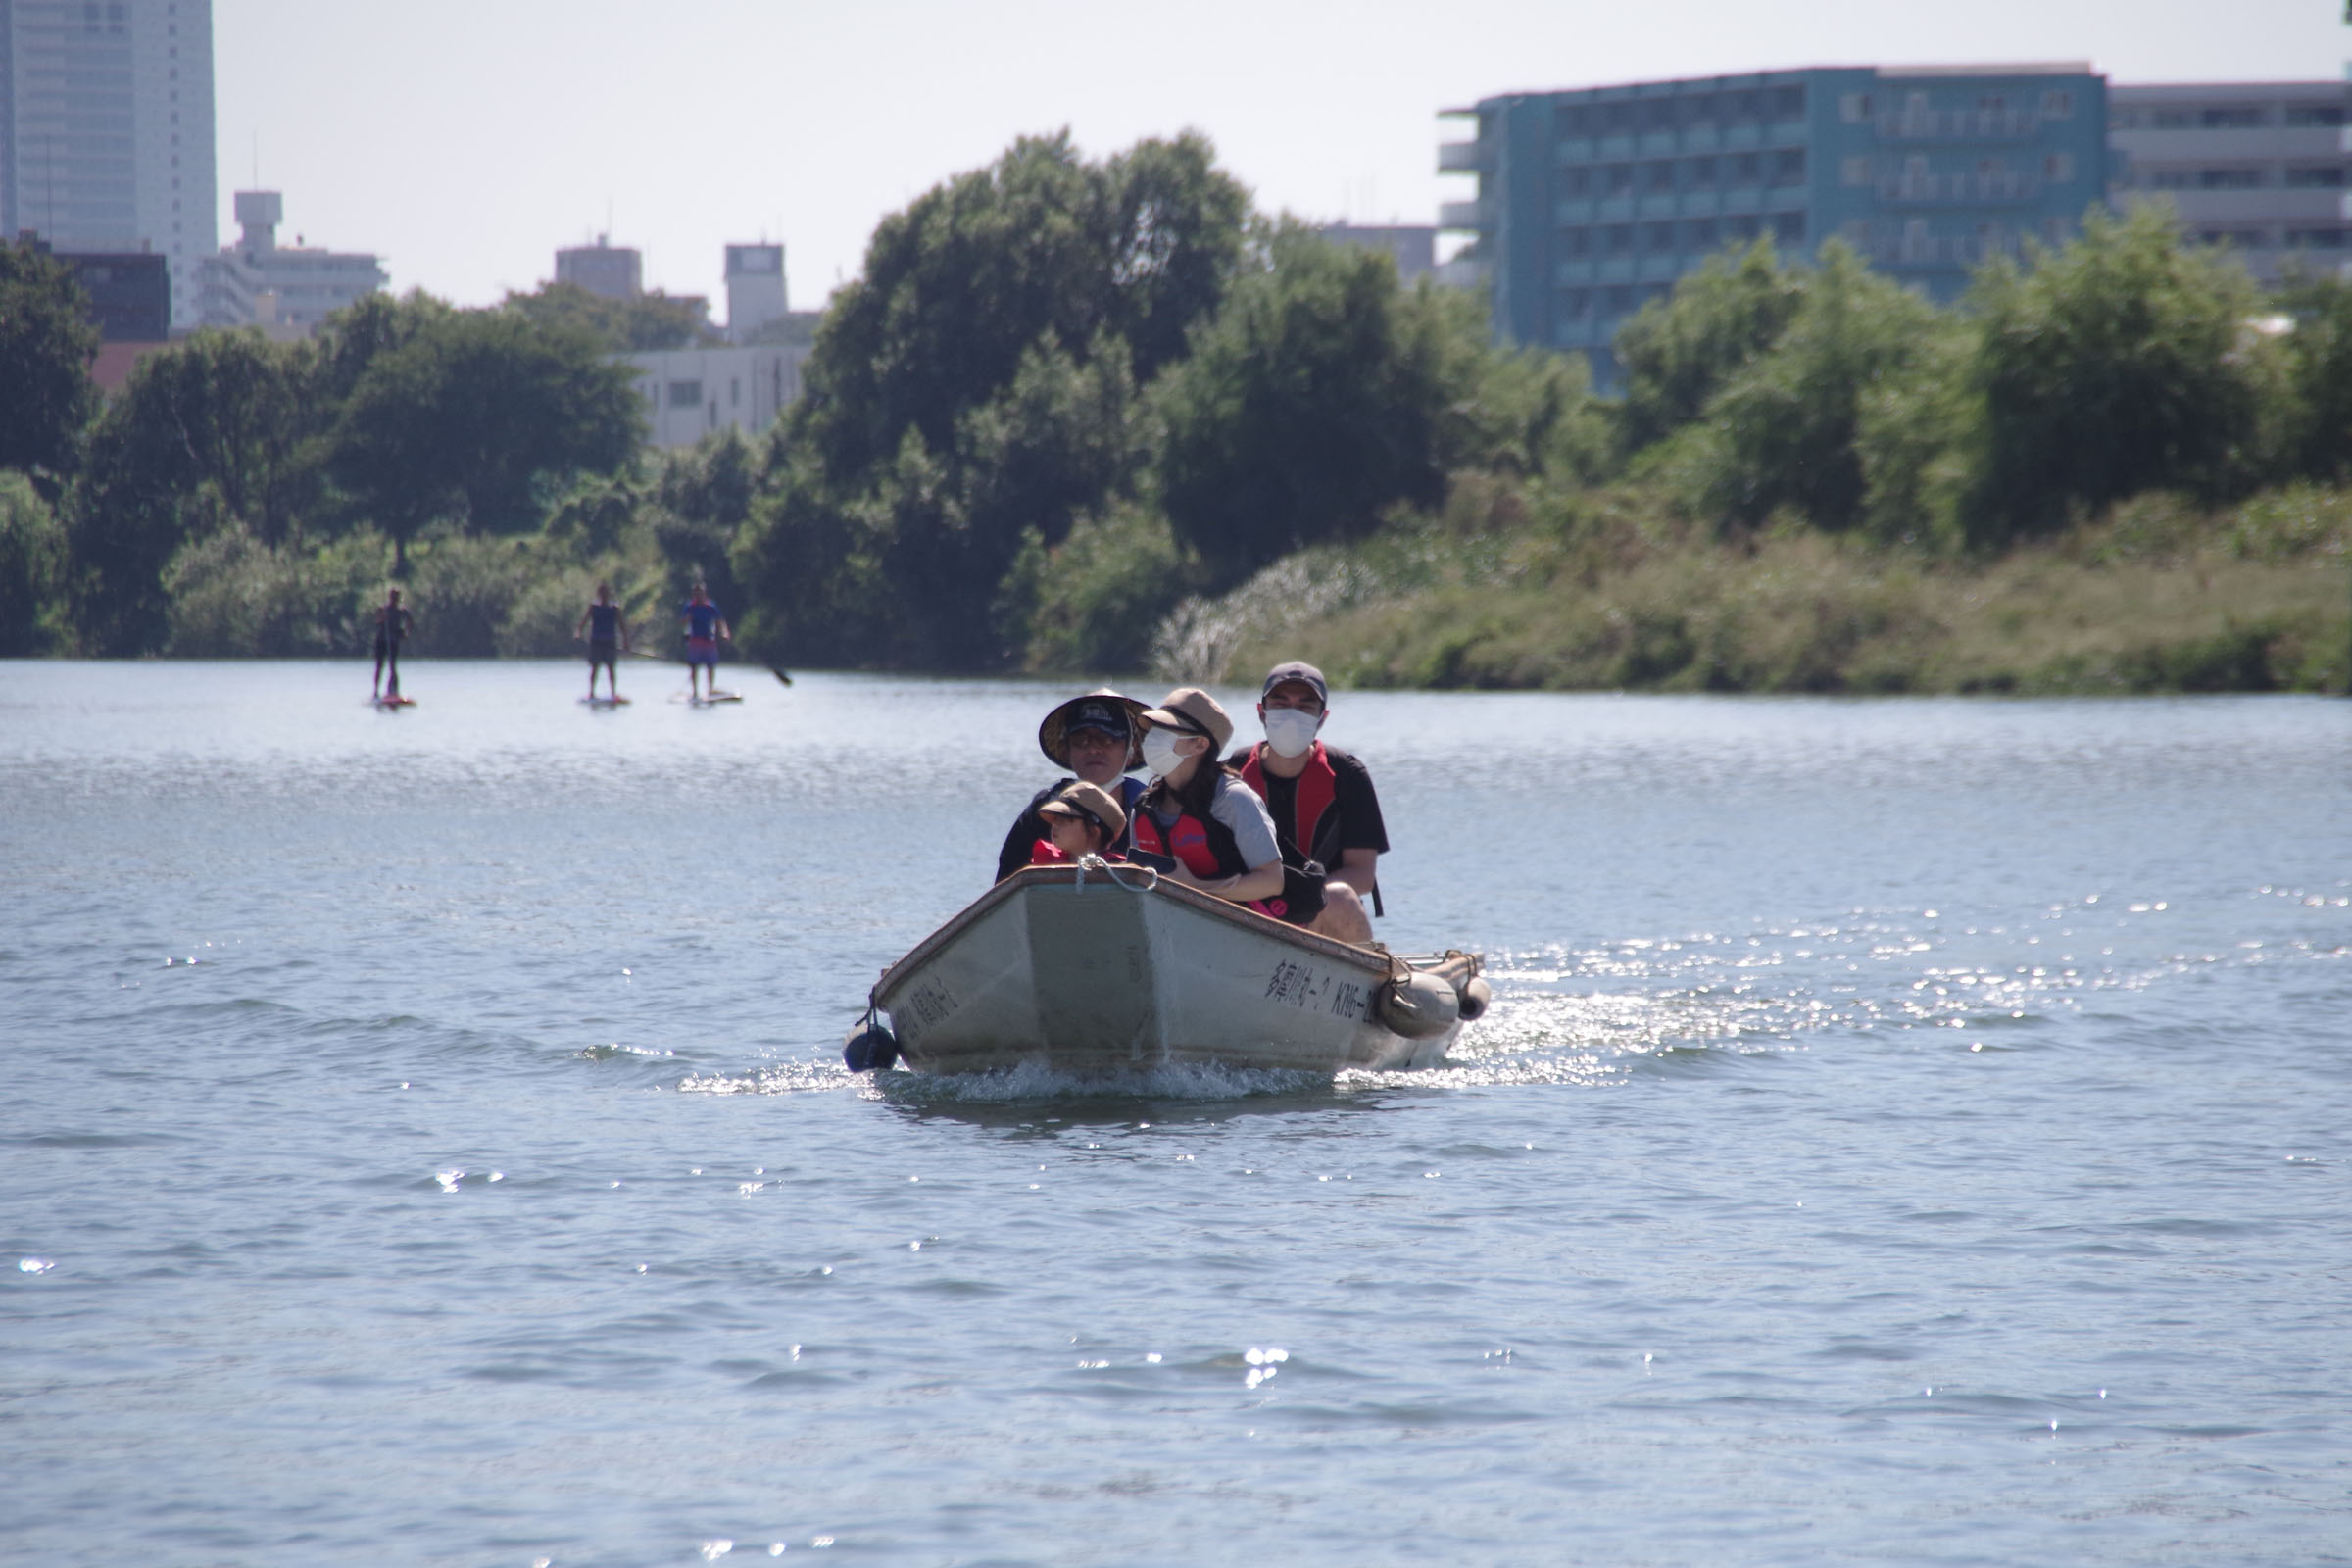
1593, 201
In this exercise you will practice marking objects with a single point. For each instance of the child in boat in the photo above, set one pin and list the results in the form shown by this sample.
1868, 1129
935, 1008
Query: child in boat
1083, 820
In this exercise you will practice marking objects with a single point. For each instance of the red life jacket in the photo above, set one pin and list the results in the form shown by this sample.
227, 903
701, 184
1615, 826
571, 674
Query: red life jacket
1044, 852
1206, 847
1318, 789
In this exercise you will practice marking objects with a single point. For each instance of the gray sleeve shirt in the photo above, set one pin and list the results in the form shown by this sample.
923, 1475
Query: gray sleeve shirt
1237, 806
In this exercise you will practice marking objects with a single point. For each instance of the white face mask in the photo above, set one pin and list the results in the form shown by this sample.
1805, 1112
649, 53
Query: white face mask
1160, 753
1290, 732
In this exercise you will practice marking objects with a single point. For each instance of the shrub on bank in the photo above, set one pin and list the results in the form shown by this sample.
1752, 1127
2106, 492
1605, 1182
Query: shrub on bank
1605, 593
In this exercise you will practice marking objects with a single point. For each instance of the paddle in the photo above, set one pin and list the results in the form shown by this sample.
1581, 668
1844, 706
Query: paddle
659, 658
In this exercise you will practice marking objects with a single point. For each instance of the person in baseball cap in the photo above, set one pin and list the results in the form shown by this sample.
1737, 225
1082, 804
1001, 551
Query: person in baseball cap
1083, 820
1097, 737
1321, 798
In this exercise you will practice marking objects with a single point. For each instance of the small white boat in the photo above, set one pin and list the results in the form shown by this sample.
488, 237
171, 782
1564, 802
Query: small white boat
1095, 969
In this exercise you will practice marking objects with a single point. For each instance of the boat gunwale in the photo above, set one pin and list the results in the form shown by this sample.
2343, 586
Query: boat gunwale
1371, 959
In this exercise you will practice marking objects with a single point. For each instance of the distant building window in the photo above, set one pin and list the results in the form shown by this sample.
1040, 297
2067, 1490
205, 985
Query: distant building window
2229, 179
2169, 178
734, 391
1701, 171
1576, 303
1658, 240
2315, 114
1991, 103
1695, 110
1570, 120
2058, 169
2318, 239
1620, 239
1620, 300
2058, 105
2233, 116
1619, 178
1576, 243
2329, 174
1576, 182
2175, 119
1617, 117
1854, 108
1789, 103
1855, 170
1658, 114
1788, 167
1659, 176
685, 394
1789, 228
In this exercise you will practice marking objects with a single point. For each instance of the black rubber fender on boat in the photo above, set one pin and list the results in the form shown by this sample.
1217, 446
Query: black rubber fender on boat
1475, 998
870, 1048
1418, 1005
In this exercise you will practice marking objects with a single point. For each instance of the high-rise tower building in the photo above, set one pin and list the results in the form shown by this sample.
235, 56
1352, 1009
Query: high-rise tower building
754, 288
106, 130
606, 269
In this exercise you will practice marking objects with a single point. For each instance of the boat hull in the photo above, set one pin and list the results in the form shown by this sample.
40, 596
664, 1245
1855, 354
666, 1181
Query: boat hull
1071, 970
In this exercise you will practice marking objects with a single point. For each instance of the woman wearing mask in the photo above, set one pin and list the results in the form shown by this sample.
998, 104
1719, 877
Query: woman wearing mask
1199, 822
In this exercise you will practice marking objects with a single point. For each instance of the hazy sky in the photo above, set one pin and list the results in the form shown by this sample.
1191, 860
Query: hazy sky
466, 142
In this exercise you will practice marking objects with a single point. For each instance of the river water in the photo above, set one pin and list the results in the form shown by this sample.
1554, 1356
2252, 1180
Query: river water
1907, 1132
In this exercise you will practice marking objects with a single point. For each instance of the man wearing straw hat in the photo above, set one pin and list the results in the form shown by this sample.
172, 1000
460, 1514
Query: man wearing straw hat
1097, 738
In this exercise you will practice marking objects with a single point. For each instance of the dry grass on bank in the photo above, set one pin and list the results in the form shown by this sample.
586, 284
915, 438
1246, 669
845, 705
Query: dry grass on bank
2159, 596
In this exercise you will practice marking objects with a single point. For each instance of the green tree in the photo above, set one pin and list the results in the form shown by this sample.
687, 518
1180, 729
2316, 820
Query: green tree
1785, 428
215, 429
46, 344
2318, 350
1678, 352
33, 569
975, 391
477, 418
1320, 395
648, 323
2124, 363
706, 494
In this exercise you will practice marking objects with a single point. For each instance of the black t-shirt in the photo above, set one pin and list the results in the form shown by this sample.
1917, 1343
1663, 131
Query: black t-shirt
1354, 801
1030, 825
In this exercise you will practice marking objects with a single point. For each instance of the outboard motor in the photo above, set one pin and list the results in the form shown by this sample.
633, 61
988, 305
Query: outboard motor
871, 1046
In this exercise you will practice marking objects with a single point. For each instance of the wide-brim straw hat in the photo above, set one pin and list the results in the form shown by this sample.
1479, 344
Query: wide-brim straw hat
1084, 712
1087, 800
1190, 710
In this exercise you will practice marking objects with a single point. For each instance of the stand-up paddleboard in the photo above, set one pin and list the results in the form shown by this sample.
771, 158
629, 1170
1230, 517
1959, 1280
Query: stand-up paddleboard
604, 702
712, 701
391, 705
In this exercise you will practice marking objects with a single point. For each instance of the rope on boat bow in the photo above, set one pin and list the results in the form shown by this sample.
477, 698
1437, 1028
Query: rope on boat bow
1096, 862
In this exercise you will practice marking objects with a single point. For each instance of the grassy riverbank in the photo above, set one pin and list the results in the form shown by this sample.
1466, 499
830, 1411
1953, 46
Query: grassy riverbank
1610, 590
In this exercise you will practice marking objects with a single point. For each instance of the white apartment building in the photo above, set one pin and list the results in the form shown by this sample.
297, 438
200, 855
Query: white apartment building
2264, 167
286, 290
106, 130
689, 393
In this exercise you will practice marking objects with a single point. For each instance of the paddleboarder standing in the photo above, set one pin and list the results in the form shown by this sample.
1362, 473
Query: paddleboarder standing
706, 628
392, 625
607, 631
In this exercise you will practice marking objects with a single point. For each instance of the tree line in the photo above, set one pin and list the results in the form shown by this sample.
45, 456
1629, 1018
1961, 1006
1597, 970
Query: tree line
1066, 396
